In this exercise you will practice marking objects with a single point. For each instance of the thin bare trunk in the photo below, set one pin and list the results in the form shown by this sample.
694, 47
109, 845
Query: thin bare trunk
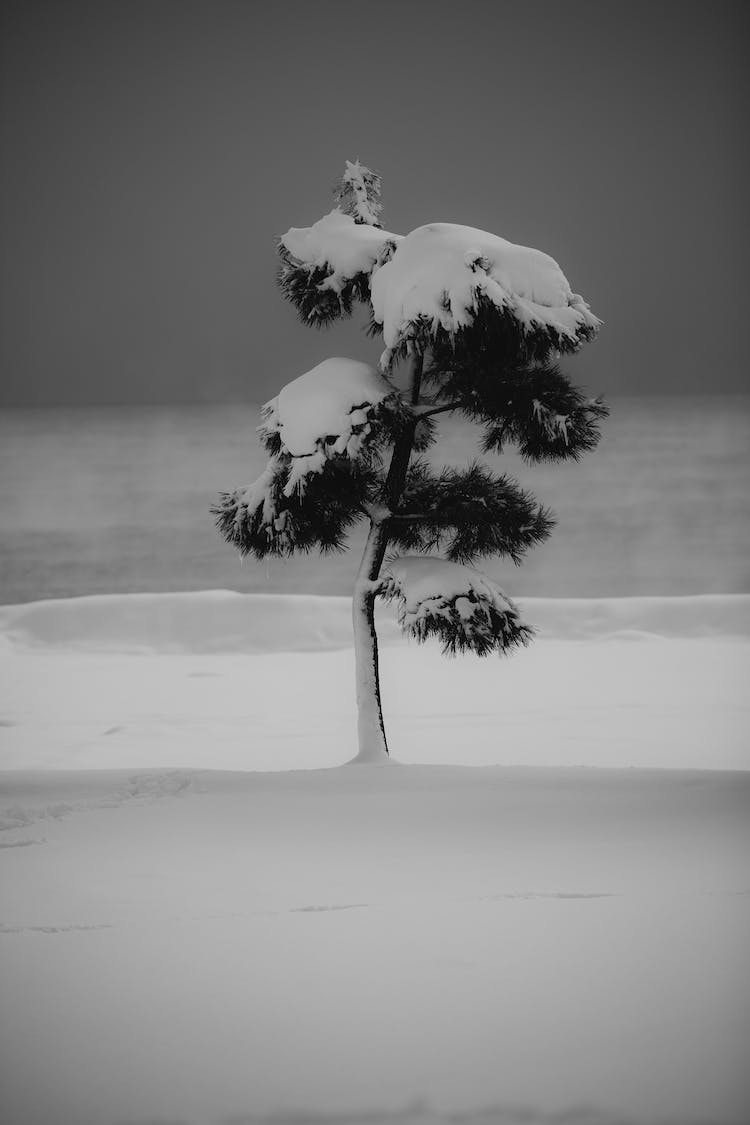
373, 746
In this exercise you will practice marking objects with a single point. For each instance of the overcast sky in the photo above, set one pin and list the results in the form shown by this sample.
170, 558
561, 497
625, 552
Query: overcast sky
153, 150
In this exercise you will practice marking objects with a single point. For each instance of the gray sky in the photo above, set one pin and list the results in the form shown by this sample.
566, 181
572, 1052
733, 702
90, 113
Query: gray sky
153, 150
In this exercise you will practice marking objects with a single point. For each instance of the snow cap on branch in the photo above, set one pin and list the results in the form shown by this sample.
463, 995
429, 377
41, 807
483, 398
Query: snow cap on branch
338, 245
325, 268
325, 413
461, 606
441, 273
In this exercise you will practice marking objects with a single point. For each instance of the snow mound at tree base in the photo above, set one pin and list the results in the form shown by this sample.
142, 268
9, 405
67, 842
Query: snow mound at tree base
214, 621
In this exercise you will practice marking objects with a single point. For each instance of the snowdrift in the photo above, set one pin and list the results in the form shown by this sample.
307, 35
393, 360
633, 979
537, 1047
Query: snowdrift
205, 622
216, 621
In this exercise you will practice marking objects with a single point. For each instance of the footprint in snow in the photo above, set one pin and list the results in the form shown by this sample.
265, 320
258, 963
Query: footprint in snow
50, 929
547, 894
324, 909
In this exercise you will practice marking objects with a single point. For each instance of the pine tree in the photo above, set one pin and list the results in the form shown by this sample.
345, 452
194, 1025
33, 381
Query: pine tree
479, 325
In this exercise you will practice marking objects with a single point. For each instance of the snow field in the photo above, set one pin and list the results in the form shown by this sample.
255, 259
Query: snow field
336, 946
228, 681
414, 943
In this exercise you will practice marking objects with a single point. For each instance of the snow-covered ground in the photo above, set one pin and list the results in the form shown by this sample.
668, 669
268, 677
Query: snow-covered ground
222, 680
186, 943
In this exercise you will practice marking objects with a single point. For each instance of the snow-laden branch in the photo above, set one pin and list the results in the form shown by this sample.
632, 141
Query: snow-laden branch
440, 275
339, 246
327, 412
432, 281
428, 410
263, 519
535, 407
326, 268
466, 610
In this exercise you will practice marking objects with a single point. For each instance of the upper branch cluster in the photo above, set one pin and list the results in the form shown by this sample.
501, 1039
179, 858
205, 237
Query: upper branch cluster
489, 321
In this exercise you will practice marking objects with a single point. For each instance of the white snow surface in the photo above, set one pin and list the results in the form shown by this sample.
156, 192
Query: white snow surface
418, 946
187, 939
338, 244
439, 271
335, 401
237, 681
225, 621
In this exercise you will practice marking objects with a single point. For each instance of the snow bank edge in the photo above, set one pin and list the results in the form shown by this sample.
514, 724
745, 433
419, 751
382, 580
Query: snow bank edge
216, 621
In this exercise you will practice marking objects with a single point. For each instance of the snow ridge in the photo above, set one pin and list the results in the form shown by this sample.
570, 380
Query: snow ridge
207, 621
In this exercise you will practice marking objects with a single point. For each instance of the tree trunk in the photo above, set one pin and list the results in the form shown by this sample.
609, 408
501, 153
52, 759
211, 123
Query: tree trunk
373, 747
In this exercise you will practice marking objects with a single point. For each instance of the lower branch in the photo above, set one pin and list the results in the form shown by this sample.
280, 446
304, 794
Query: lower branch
429, 410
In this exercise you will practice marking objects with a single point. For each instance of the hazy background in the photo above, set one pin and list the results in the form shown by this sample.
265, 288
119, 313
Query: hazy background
151, 154
153, 150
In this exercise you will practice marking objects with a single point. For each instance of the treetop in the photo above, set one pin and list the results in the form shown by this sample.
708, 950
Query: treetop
431, 286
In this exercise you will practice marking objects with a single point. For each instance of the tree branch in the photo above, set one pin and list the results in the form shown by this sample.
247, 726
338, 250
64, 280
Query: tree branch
416, 379
399, 466
421, 412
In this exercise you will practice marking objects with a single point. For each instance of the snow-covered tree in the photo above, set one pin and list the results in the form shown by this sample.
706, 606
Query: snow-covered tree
471, 324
